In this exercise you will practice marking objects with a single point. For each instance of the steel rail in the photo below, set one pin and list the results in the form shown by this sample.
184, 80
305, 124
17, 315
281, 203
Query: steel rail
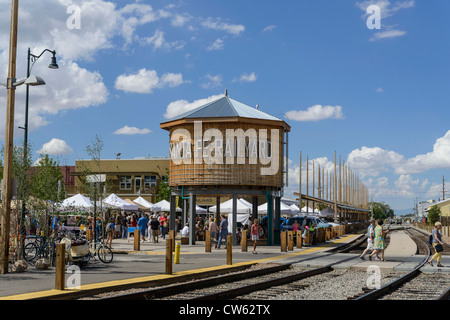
394, 285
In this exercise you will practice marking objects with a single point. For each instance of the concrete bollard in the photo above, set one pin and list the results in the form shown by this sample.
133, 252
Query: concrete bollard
60, 272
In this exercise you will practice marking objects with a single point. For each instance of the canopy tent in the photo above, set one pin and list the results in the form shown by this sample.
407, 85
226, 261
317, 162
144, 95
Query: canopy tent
295, 208
140, 207
116, 201
77, 202
147, 204
284, 209
165, 206
227, 207
309, 210
200, 210
243, 218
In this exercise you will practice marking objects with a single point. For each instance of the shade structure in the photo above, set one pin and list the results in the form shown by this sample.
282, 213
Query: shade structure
147, 204
284, 209
227, 207
295, 208
200, 210
77, 201
165, 206
243, 218
140, 207
116, 201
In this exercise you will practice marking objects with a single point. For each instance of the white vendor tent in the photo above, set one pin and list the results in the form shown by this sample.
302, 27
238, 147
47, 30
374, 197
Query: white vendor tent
295, 209
147, 204
227, 207
309, 210
116, 201
77, 201
165, 206
243, 218
200, 210
284, 209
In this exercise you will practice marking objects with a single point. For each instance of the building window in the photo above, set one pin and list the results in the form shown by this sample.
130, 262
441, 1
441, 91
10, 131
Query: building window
149, 181
125, 182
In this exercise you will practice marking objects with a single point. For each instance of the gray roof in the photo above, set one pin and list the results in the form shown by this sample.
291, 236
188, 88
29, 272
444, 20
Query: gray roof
225, 107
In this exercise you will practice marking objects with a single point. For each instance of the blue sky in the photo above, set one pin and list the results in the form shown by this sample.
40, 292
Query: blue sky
378, 97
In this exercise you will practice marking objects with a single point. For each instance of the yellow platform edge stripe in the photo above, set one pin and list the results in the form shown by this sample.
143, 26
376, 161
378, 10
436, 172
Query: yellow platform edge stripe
53, 292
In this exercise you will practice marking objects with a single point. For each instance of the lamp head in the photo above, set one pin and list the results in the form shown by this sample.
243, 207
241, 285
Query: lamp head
53, 64
34, 81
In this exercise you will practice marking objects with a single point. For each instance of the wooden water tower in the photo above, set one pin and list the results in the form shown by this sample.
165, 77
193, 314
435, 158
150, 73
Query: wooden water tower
227, 148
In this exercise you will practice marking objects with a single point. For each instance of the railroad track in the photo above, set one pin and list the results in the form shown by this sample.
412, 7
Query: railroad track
415, 285
236, 283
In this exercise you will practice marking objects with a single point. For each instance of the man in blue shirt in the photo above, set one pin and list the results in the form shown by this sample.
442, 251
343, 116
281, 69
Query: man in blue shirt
223, 231
142, 225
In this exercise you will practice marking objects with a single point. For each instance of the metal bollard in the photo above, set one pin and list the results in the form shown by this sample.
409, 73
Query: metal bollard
177, 252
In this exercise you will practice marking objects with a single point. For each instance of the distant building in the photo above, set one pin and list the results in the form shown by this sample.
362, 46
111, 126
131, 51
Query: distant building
421, 208
127, 178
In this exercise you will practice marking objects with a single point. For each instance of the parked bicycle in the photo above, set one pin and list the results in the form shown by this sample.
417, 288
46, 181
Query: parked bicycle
98, 248
40, 248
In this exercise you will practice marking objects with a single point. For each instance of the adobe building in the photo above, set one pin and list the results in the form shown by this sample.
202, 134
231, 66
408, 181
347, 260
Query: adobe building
228, 149
127, 178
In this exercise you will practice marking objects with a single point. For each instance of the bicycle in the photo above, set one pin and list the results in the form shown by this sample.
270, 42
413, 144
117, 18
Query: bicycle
39, 249
98, 248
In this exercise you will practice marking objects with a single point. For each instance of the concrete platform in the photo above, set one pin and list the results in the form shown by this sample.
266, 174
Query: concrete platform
148, 266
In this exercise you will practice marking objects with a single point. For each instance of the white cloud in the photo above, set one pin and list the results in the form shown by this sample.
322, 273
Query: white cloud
217, 24
316, 113
55, 147
132, 130
373, 161
386, 8
438, 158
145, 81
387, 34
269, 28
212, 81
216, 45
157, 41
379, 90
181, 106
247, 77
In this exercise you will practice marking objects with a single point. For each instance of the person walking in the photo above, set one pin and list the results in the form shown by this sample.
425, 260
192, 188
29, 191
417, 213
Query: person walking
154, 226
109, 233
142, 225
213, 229
223, 231
124, 228
255, 230
437, 245
379, 244
370, 239
162, 225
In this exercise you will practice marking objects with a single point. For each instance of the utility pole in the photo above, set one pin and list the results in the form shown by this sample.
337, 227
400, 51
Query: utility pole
9, 136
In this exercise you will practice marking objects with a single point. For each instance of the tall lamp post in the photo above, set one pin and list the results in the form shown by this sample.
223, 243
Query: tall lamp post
38, 81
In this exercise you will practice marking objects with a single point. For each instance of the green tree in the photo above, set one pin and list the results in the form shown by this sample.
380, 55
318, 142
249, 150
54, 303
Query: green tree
164, 190
381, 210
434, 214
47, 180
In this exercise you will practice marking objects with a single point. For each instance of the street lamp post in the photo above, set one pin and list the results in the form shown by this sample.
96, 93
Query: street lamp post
53, 65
